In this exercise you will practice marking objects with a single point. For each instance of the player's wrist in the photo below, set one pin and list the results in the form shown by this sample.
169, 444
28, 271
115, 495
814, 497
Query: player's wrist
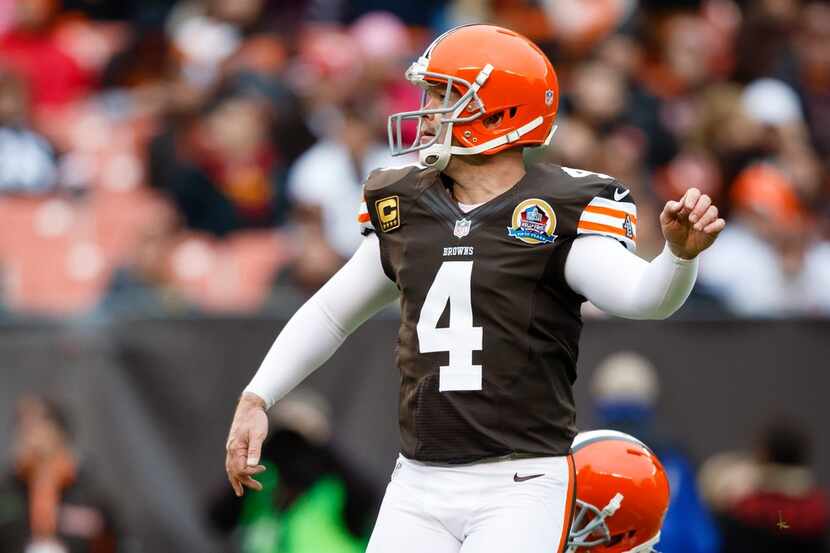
252, 400
680, 254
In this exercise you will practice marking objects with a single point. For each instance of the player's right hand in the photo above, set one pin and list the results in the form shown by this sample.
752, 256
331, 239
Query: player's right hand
244, 446
691, 224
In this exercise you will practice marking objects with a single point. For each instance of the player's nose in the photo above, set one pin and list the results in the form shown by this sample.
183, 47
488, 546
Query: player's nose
429, 124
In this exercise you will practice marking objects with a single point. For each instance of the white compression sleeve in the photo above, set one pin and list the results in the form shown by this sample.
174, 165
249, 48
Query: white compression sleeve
358, 291
622, 284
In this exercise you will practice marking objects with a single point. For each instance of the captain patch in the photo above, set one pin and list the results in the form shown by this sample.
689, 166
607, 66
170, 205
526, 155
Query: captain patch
388, 213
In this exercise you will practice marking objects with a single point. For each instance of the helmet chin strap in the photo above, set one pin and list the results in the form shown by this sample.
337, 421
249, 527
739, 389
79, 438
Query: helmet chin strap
438, 155
506, 138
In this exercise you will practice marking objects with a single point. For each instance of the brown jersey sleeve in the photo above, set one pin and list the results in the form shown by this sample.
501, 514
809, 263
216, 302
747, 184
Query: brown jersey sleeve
611, 212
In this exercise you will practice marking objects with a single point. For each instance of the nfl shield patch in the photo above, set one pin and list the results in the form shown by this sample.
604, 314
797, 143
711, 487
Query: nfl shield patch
462, 228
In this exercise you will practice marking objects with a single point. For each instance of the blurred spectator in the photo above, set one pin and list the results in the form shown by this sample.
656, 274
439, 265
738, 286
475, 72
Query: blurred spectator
603, 97
769, 502
764, 40
351, 79
147, 286
812, 46
580, 25
223, 170
328, 71
386, 50
726, 131
625, 390
202, 40
27, 161
144, 59
687, 53
33, 44
783, 269
50, 502
660, 95
415, 12
248, 16
312, 500
771, 102
326, 184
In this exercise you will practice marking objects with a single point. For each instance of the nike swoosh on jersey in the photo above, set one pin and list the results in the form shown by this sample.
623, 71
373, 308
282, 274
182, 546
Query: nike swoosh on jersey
618, 196
517, 478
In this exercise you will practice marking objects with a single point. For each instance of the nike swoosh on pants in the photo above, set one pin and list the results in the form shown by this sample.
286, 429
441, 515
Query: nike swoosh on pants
517, 478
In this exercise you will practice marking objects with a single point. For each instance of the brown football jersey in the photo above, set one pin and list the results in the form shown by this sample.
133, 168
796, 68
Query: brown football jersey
489, 331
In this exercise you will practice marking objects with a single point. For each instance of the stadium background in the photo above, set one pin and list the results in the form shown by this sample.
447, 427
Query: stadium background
176, 177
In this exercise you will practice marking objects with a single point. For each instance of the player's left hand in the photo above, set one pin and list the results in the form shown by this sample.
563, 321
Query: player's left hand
691, 224
244, 446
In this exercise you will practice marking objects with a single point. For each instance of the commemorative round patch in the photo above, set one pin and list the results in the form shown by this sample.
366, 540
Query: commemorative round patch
533, 222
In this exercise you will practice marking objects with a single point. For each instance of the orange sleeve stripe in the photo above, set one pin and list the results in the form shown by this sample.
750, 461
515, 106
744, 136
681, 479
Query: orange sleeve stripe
612, 212
587, 225
363, 218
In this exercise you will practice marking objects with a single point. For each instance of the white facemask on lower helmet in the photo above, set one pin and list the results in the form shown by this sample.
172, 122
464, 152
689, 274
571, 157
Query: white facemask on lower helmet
589, 533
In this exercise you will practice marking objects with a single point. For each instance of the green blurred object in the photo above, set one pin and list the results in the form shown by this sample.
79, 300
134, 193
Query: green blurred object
313, 523
260, 521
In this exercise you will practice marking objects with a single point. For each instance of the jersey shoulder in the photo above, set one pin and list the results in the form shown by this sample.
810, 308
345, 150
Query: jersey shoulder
590, 202
394, 179
569, 185
385, 192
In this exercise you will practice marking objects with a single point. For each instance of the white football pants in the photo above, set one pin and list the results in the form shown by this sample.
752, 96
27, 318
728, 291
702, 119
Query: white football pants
521, 505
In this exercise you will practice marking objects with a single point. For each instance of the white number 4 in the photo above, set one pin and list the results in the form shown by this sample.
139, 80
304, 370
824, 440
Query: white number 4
460, 338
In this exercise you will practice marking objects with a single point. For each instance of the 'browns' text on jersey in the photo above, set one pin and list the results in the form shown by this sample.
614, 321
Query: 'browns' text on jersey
489, 328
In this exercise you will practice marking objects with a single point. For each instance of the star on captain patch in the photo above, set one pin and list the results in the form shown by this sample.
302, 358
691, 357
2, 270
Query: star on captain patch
462, 228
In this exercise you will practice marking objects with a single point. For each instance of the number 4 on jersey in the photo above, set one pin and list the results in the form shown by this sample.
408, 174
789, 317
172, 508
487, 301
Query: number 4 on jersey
452, 284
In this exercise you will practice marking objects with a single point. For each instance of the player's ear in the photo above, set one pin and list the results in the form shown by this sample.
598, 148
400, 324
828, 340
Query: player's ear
494, 120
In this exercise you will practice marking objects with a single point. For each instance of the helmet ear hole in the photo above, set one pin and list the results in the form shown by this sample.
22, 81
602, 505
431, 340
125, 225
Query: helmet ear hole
496, 120
615, 539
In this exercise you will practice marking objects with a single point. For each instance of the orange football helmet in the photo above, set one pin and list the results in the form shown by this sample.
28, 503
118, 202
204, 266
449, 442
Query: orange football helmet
495, 71
622, 494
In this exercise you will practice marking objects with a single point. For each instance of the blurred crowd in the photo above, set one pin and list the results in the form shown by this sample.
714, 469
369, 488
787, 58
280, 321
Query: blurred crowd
762, 496
164, 157
762, 499
51, 500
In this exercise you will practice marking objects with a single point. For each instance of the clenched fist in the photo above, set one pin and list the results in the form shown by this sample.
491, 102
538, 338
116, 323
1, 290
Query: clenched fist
691, 224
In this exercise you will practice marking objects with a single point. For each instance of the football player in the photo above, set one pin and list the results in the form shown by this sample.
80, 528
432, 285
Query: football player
622, 494
490, 261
